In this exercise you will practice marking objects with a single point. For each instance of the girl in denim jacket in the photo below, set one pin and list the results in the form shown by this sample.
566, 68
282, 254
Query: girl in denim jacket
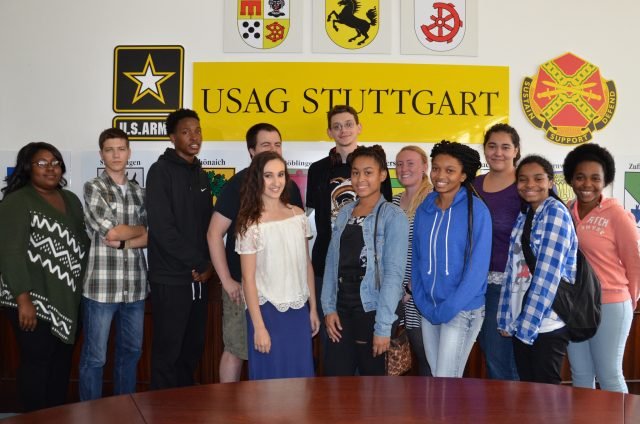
360, 294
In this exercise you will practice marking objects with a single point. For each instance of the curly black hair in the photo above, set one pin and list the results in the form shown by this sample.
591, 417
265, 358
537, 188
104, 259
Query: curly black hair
176, 116
470, 161
22, 170
589, 153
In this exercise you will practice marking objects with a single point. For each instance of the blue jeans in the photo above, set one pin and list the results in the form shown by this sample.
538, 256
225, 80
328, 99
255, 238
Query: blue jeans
601, 356
498, 350
97, 317
448, 345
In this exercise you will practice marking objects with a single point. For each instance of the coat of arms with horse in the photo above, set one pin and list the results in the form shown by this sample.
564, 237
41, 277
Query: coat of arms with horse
352, 24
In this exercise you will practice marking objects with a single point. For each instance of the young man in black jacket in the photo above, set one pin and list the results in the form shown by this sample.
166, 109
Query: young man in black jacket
179, 207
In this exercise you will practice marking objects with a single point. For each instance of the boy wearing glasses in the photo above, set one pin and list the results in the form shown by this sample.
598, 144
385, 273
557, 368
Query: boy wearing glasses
115, 283
329, 186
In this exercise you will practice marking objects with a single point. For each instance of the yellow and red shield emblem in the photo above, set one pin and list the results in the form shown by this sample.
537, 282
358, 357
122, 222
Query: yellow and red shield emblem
569, 99
263, 24
352, 24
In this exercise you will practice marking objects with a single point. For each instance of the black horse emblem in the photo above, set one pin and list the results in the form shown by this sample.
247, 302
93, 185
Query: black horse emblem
347, 16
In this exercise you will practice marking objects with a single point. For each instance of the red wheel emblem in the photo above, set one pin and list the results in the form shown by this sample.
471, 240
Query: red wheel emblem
442, 30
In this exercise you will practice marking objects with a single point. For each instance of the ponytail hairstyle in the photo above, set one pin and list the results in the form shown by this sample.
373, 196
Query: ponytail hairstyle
470, 161
425, 184
548, 169
251, 204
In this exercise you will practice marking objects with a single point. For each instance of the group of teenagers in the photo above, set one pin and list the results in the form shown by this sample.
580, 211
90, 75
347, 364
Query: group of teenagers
444, 258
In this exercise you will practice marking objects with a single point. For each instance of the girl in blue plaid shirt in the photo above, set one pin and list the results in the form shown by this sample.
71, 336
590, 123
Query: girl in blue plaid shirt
540, 337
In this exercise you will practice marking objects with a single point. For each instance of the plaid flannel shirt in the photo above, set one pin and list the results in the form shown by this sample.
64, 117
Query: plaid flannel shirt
554, 243
113, 275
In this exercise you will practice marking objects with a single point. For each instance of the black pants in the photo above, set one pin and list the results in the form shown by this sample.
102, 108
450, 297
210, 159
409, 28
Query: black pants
354, 351
45, 364
179, 314
542, 361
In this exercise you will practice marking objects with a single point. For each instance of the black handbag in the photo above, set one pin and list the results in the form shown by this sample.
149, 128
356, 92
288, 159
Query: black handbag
579, 304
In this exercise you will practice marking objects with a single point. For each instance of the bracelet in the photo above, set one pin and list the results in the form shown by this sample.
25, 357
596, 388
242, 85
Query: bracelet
121, 245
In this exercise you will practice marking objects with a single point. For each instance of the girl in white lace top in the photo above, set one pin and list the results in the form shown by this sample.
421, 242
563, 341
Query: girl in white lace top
277, 276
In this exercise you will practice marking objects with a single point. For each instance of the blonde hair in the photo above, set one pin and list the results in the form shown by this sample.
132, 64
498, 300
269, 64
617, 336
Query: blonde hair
425, 185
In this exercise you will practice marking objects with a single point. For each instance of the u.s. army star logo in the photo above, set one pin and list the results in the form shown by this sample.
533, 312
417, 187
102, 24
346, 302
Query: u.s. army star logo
148, 78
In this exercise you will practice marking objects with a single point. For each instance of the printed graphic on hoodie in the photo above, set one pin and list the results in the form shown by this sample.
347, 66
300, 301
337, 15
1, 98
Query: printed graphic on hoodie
342, 193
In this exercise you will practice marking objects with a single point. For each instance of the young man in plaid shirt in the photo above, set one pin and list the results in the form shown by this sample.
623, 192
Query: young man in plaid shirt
115, 284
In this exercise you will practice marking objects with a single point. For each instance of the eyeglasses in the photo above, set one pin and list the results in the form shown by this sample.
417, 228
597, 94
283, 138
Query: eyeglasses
44, 164
347, 125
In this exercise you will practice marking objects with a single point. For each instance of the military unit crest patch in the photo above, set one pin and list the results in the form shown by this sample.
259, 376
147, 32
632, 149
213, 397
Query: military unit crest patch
569, 99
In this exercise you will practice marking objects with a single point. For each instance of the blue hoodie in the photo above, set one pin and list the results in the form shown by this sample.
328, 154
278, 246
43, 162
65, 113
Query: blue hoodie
442, 285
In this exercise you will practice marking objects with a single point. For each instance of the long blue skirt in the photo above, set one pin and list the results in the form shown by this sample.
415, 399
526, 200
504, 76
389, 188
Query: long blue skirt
290, 354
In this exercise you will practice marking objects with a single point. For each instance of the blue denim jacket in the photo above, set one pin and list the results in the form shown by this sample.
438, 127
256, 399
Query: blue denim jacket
393, 233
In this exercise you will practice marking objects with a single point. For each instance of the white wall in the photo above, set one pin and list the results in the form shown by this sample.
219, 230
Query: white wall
56, 63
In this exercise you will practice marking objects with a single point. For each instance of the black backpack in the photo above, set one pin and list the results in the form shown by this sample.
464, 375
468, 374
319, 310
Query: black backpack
579, 304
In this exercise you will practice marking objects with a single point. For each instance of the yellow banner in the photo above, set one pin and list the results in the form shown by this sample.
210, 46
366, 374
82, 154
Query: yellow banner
395, 102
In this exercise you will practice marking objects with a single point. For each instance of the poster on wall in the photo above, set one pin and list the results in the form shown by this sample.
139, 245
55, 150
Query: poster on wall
439, 28
629, 190
7, 164
569, 99
254, 26
396, 102
147, 78
351, 26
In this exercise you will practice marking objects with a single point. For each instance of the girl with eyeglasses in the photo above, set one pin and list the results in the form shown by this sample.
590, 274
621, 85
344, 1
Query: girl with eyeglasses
42, 265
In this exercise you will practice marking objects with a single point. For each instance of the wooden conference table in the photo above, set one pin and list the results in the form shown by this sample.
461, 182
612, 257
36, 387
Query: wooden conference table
353, 400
